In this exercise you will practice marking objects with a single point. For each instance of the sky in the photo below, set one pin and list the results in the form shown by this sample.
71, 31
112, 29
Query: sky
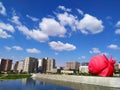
66, 30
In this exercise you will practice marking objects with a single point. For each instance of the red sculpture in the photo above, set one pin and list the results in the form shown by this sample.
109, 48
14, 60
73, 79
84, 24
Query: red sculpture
101, 66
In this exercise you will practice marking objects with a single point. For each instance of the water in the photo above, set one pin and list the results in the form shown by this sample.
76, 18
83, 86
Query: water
39, 84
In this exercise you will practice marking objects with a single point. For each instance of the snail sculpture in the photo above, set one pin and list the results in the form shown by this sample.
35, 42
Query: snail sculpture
101, 66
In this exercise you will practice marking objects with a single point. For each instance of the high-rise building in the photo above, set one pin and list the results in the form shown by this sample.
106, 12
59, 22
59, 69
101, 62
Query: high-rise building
46, 65
72, 65
20, 66
50, 64
12, 67
5, 64
16, 66
84, 64
30, 65
42, 65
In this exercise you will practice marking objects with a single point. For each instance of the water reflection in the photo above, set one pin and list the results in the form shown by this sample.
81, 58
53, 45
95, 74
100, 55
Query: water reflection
35, 84
76, 86
30, 81
44, 84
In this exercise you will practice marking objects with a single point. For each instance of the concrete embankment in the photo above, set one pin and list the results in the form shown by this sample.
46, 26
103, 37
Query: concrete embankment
101, 81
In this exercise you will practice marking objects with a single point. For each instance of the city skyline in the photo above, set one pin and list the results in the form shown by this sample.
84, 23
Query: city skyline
63, 30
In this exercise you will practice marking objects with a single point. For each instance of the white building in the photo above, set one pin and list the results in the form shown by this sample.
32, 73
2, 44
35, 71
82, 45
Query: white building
83, 69
20, 66
50, 64
40, 62
30, 65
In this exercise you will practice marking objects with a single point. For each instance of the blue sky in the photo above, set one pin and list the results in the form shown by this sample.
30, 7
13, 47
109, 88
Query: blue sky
67, 30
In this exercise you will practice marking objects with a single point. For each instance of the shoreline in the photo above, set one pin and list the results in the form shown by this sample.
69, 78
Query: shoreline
91, 80
14, 76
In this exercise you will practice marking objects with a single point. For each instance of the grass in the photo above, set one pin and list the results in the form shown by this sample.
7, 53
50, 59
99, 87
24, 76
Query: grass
14, 76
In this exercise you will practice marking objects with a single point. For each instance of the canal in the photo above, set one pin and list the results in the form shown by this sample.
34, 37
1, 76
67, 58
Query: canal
42, 84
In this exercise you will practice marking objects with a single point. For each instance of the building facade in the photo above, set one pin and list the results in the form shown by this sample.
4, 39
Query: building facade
20, 66
5, 64
72, 65
84, 64
42, 65
83, 69
50, 64
15, 66
46, 65
30, 65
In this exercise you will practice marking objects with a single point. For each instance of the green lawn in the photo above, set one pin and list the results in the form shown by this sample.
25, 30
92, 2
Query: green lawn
14, 76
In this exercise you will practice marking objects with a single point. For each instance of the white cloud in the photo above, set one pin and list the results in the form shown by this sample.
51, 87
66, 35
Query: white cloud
64, 9
113, 46
90, 25
117, 31
3, 34
67, 19
2, 9
60, 46
34, 34
95, 51
17, 48
14, 47
118, 24
8, 48
32, 18
51, 27
7, 27
15, 19
80, 12
82, 57
33, 50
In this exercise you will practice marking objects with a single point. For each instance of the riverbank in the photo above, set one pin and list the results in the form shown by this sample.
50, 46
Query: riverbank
14, 76
101, 81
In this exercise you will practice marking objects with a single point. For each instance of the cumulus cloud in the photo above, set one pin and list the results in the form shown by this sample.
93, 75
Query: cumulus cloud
4, 35
118, 24
80, 12
7, 27
82, 57
4, 29
117, 31
8, 48
64, 9
95, 51
90, 25
67, 19
113, 46
58, 27
17, 48
32, 18
2, 9
15, 19
60, 46
33, 50
34, 34
51, 27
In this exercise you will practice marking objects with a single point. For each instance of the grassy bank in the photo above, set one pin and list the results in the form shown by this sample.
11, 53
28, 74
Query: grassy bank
14, 76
